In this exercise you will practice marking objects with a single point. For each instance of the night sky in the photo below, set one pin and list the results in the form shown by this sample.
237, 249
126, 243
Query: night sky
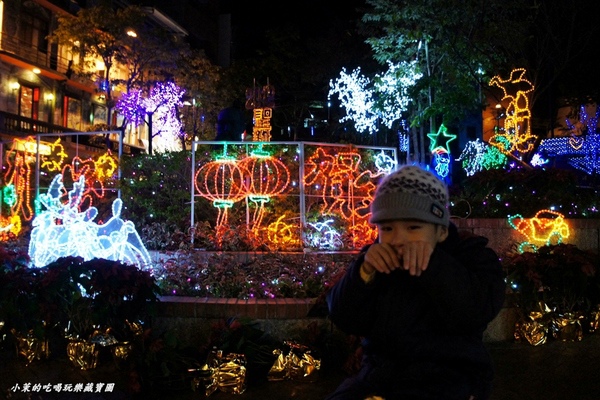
310, 19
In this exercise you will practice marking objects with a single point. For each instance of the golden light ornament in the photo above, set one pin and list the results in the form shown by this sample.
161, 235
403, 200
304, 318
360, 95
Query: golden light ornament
54, 161
282, 234
517, 135
533, 329
262, 124
121, 352
227, 373
296, 364
10, 225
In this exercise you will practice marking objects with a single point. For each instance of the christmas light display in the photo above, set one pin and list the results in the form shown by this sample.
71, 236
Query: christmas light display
537, 160
516, 137
325, 236
18, 176
441, 161
53, 161
62, 230
283, 235
478, 155
10, 225
440, 139
545, 228
581, 148
9, 195
357, 98
440, 149
261, 101
392, 89
344, 189
262, 124
335, 183
94, 173
384, 163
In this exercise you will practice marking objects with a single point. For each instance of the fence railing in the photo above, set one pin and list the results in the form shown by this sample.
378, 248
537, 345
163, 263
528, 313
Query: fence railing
289, 195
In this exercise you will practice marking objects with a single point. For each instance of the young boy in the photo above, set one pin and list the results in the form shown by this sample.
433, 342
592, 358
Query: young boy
420, 298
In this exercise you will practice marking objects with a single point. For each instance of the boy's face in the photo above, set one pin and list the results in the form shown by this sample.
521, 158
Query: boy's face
399, 232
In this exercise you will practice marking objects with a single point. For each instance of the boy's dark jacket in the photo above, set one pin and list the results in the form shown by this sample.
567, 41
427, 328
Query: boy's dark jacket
438, 317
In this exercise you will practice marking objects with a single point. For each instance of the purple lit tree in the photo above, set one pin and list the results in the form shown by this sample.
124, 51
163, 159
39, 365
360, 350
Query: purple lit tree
160, 111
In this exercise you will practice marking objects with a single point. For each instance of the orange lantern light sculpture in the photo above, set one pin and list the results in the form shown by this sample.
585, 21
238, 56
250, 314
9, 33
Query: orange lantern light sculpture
268, 177
222, 182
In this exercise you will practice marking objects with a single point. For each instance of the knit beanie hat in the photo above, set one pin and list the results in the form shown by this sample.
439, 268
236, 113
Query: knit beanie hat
411, 193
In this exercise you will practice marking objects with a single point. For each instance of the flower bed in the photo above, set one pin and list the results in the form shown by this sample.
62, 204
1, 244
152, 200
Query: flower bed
244, 275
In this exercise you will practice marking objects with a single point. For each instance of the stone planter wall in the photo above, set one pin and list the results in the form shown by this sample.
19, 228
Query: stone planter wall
191, 318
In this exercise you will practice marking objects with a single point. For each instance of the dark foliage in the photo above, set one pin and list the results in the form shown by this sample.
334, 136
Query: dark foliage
562, 276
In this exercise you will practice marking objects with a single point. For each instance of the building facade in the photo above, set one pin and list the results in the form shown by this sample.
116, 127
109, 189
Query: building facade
40, 93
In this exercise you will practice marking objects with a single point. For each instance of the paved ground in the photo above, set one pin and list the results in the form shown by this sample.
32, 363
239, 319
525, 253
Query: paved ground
553, 371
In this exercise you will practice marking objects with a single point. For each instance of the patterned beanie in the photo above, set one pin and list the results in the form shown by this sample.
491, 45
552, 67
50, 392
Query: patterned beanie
411, 193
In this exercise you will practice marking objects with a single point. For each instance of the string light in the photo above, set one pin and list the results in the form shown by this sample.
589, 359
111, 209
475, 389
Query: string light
267, 177
62, 230
222, 182
324, 236
441, 139
18, 174
17, 178
357, 95
441, 160
582, 152
545, 228
340, 182
282, 234
478, 155
10, 225
262, 124
516, 136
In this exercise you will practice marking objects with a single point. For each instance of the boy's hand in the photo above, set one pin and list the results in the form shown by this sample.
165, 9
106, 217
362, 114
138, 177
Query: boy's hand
412, 257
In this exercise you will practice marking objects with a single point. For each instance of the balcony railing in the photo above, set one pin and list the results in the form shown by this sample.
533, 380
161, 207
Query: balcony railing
17, 125
31, 53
